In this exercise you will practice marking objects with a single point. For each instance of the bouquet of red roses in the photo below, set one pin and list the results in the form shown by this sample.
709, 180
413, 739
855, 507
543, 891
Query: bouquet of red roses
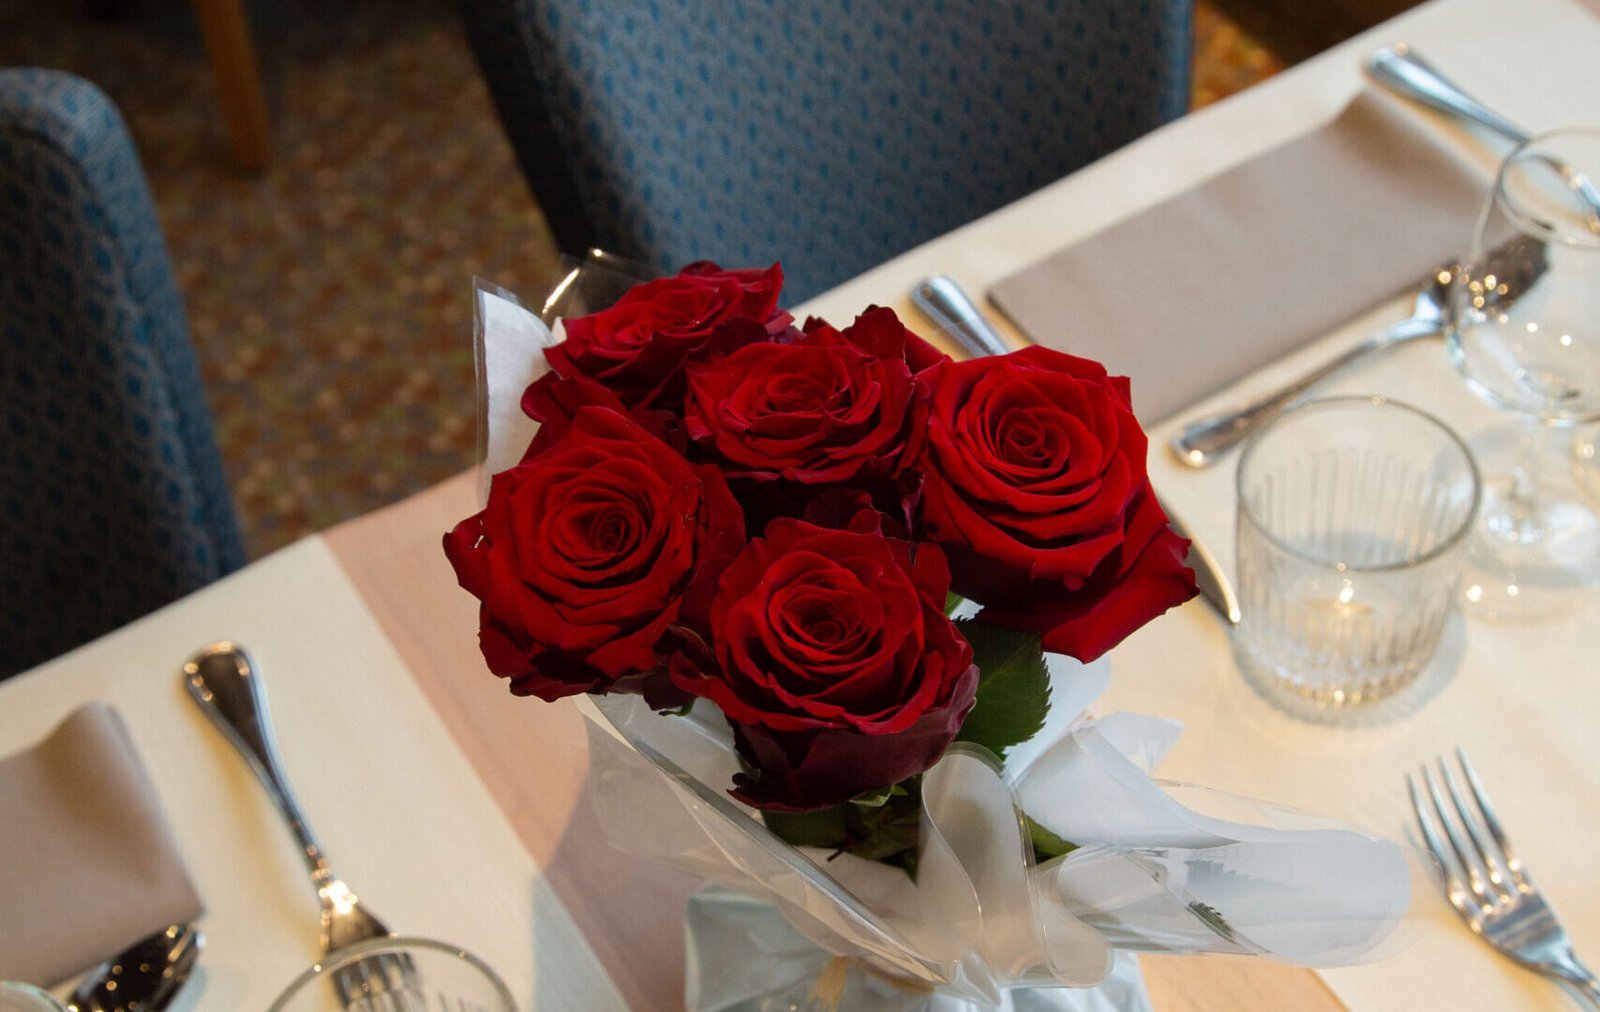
744, 543
720, 504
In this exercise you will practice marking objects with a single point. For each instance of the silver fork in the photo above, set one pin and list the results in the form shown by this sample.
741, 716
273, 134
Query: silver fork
222, 680
1487, 883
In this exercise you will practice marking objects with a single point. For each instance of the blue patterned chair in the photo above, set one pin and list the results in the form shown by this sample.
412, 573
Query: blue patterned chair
112, 495
830, 134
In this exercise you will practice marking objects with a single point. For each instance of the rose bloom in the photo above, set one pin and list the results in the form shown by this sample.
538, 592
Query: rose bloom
591, 548
639, 345
835, 663
824, 409
1034, 482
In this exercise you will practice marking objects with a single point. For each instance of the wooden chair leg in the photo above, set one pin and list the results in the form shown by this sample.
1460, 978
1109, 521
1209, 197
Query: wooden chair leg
238, 77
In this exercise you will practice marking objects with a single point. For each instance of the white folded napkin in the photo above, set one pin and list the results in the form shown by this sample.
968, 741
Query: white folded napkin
1221, 279
87, 863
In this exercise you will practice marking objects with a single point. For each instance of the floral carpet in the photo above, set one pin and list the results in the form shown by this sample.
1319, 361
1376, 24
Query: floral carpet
329, 296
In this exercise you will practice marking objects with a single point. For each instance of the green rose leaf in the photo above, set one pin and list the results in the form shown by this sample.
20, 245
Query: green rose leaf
880, 797
827, 828
1013, 686
1045, 843
881, 827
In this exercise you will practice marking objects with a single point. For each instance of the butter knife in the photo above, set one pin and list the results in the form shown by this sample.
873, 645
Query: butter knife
944, 302
1400, 69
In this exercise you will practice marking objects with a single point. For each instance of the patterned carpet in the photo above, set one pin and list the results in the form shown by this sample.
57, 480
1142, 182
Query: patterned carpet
329, 296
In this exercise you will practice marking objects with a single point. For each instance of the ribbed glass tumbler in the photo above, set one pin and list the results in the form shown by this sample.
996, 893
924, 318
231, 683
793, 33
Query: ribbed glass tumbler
1352, 518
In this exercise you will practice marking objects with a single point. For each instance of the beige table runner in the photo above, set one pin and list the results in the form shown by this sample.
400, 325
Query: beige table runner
1202, 288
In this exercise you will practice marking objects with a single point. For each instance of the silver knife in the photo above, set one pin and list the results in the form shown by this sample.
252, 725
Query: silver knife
942, 300
949, 307
1400, 69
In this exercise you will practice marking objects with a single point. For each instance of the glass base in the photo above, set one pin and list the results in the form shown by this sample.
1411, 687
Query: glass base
1530, 564
1375, 704
1585, 464
742, 956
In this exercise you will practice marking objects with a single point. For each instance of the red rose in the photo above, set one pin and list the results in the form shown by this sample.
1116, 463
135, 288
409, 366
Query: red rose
826, 408
638, 346
1034, 482
590, 548
836, 663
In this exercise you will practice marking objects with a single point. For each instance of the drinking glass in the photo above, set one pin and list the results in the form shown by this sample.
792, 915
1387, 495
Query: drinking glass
439, 975
1352, 515
1523, 329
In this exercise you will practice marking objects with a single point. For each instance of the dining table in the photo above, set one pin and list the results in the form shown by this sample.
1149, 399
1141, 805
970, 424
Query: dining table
460, 812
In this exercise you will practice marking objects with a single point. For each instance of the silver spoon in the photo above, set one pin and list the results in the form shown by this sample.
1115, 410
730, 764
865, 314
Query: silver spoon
1517, 263
145, 977
1202, 443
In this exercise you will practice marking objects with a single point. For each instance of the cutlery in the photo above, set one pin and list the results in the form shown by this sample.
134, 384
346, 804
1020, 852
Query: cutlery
144, 977
942, 299
1401, 70
947, 304
1518, 263
222, 679
1203, 442
1487, 882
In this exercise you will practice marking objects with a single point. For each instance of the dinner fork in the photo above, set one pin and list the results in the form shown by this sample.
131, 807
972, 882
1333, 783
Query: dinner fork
222, 680
1487, 882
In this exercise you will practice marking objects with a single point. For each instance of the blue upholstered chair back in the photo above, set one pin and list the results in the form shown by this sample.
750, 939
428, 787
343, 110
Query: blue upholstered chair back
112, 495
830, 134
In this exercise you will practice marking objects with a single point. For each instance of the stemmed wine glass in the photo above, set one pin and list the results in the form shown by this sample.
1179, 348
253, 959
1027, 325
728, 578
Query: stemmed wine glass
1525, 334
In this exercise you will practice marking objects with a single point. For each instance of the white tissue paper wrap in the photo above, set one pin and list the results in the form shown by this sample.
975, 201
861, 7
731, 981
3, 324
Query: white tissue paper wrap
983, 926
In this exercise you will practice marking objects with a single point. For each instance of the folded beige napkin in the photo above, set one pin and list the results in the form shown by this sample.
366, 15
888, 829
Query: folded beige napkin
1215, 282
87, 863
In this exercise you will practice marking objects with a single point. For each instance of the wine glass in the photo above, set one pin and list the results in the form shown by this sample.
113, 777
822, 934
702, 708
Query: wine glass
1522, 325
1585, 461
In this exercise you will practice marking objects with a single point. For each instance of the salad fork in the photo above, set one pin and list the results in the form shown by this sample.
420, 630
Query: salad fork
223, 682
1487, 882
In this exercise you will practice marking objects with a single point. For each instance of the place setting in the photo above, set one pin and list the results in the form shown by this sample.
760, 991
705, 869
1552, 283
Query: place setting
1527, 558
452, 900
88, 835
1387, 547
1394, 552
